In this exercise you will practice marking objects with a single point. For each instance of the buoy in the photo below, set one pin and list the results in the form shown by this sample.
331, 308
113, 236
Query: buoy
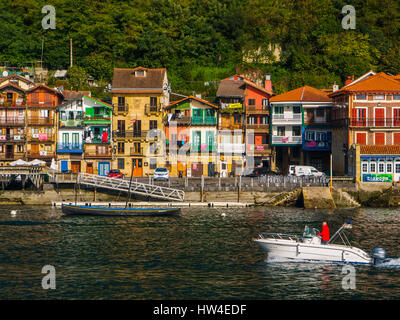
13, 212
223, 214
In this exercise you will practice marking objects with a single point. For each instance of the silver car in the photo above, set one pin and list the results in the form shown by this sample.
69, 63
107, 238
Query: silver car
161, 174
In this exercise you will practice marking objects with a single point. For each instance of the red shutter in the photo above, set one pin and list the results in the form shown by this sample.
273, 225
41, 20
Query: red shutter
396, 138
361, 138
379, 138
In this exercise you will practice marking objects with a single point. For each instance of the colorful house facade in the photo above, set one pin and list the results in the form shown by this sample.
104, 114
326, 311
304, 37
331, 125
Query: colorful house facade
138, 98
366, 113
301, 132
191, 137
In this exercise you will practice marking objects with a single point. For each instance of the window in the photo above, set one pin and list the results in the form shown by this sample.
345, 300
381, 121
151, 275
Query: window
281, 131
389, 167
379, 97
265, 102
121, 147
379, 138
296, 109
153, 101
252, 120
252, 102
121, 101
310, 135
397, 167
372, 167
361, 97
364, 167
296, 131
153, 124
279, 110
121, 163
320, 113
361, 138
153, 163
381, 167
140, 73
321, 136
396, 97
236, 118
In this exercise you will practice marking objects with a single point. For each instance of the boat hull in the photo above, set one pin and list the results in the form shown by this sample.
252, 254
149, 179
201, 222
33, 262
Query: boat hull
292, 250
103, 211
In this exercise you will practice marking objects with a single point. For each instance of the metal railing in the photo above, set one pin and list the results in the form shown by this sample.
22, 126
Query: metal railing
280, 236
120, 107
375, 122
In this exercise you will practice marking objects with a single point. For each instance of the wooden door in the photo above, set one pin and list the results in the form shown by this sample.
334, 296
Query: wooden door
75, 166
137, 164
379, 117
89, 168
258, 139
35, 149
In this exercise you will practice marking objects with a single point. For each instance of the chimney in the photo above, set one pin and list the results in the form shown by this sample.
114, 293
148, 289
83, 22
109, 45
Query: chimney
348, 81
335, 87
268, 83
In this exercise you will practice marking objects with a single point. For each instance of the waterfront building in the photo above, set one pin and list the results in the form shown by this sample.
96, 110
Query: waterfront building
244, 111
366, 134
301, 133
17, 80
76, 118
41, 122
191, 137
138, 98
12, 122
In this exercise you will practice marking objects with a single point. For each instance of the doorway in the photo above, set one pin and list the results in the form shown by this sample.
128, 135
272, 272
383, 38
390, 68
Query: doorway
137, 164
89, 168
75, 166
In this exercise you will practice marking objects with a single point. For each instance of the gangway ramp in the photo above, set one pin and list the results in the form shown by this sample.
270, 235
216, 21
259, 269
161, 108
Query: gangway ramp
139, 188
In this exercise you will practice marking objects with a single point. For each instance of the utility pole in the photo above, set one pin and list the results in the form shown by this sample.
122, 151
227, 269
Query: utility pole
70, 53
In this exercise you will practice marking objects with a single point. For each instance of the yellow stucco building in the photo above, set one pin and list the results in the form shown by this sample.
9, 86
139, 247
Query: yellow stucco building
138, 98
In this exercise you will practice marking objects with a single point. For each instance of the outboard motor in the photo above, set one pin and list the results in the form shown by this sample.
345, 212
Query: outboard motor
378, 255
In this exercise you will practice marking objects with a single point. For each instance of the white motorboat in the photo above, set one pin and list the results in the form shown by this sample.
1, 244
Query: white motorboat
310, 249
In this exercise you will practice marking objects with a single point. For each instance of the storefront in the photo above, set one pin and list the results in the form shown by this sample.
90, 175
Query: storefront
380, 168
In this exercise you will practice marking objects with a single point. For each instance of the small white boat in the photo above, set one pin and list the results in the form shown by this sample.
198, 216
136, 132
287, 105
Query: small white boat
310, 249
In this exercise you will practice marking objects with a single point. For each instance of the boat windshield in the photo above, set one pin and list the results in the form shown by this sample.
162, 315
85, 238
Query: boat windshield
309, 232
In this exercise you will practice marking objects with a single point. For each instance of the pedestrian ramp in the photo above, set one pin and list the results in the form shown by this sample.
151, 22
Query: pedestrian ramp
143, 189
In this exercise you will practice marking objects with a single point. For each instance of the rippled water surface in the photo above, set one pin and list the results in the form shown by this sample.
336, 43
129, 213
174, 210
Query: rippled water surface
201, 254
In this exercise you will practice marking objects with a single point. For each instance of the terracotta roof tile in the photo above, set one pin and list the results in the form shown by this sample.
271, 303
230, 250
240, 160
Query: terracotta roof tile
303, 94
372, 149
125, 79
380, 82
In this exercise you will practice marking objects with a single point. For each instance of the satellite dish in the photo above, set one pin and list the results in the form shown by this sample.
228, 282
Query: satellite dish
5, 73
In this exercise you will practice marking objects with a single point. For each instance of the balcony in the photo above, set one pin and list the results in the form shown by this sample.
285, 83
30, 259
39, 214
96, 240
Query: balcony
231, 148
120, 108
71, 123
97, 119
41, 154
11, 155
41, 104
180, 120
97, 139
260, 149
69, 148
41, 137
12, 104
287, 118
258, 127
136, 151
375, 122
206, 121
102, 151
231, 107
13, 121
40, 121
202, 147
148, 135
283, 140
9, 138
152, 109
255, 109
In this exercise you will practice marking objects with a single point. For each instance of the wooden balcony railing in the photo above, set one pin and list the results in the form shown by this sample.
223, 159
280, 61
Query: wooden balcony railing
99, 152
41, 154
257, 109
263, 127
11, 155
12, 121
9, 138
41, 121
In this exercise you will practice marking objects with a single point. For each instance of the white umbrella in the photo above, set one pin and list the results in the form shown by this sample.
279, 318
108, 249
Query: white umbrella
19, 162
37, 162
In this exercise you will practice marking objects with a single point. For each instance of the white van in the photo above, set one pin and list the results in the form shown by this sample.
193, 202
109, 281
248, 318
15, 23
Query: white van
304, 171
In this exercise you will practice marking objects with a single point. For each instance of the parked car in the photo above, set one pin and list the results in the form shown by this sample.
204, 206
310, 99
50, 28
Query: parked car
305, 171
258, 172
161, 174
115, 174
